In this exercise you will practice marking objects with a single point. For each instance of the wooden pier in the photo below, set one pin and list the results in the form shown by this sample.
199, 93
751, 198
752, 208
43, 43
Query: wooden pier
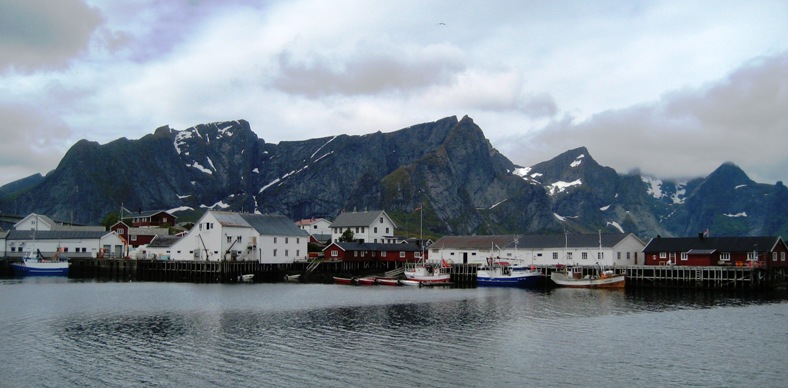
462, 275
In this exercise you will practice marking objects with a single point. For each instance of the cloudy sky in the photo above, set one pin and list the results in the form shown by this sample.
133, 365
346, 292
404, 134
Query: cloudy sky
674, 88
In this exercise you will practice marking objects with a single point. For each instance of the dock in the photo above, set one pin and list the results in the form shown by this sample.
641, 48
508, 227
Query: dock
462, 275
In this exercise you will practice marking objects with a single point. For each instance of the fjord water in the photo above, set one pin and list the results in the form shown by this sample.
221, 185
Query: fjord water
61, 332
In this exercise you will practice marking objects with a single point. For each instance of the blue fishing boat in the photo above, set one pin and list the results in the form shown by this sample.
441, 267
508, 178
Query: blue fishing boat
503, 274
38, 266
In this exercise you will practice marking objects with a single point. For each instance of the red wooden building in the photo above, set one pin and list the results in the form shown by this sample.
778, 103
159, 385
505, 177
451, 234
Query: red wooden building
355, 251
769, 251
138, 236
149, 218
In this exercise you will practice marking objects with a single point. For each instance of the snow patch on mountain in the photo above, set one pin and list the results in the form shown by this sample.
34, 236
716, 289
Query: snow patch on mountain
615, 225
198, 166
737, 215
561, 186
653, 186
577, 161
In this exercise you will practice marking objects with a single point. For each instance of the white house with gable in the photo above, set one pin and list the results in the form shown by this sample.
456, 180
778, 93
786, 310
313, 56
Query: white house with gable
222, 235
368, 226
607, 249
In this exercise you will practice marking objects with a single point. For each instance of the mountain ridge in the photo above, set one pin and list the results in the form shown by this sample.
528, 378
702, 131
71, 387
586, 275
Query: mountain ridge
446, 167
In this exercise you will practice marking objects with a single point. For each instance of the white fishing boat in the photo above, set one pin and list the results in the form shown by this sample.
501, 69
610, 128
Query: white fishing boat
36, 265
573, 277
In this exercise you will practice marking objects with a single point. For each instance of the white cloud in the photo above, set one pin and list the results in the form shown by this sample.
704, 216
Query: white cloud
554, 75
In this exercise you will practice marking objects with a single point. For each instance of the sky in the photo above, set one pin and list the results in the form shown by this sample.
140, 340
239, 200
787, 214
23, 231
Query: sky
673, 89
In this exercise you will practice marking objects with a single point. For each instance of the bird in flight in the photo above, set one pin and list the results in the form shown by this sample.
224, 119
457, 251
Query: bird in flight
441, 24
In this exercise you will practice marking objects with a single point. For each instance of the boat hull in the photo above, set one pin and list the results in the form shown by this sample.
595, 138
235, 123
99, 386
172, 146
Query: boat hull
41, 269
339, 280
522, 281
610, 281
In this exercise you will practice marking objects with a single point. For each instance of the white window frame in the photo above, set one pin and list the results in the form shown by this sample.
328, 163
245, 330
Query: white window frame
725, 256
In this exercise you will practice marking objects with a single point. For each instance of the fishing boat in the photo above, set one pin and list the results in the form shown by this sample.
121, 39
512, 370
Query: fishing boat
424, 272
573, 277
38, 266
246, 277
505, 274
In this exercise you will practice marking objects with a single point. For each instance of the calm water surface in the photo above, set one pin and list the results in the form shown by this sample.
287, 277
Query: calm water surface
60, 332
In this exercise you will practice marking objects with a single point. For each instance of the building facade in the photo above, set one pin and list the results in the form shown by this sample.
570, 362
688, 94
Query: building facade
767, 251
368, 226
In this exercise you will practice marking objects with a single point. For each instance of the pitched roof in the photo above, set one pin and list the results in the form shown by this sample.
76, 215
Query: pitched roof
163, 241
378, 247
608, 240
264, 224
146, 213
721, 244
352, 219
55, 234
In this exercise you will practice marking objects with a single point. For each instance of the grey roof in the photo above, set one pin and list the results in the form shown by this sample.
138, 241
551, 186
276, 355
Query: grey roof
149, 231
378, 247
264, 224
722, 244
608, 240
145, 213
94, 228
353, 219
55, 234
163, 241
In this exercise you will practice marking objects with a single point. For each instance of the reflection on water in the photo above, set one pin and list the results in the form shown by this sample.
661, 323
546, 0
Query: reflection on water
161, 334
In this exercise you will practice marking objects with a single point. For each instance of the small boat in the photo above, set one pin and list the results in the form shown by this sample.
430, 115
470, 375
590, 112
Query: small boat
341, 280
388, 281
503, 274
406, 282
38, 266
366, 281
293, 278
428, 272
246, 278
573, 277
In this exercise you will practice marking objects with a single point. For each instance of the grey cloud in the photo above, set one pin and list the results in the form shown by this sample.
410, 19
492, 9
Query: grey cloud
32, 141
741, 118
364, 75
41, 33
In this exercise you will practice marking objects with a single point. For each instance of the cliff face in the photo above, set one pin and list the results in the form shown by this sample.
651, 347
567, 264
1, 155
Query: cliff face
448, 168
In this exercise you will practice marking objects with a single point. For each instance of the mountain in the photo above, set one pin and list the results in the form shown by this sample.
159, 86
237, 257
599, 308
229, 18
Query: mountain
447, 168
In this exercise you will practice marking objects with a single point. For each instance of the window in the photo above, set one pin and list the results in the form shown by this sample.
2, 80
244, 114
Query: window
774, 256
229, 239
119, 231
673, 257
752, 256
381, 220
725, 256
274, 252
402, 254
376, 230
334, 253
684, 256
287, 253
569, 255
239, 239
663, 255
298, 252
618, 255
387, 230
274, 240
628, 255
287, 241
584, 255
133, 237
555, 255
782, 256
417, 255
383, 254
600, 255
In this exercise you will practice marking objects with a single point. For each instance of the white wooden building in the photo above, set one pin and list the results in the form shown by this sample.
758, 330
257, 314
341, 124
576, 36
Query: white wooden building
607, 249
368, 226
239, 236
68, 243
